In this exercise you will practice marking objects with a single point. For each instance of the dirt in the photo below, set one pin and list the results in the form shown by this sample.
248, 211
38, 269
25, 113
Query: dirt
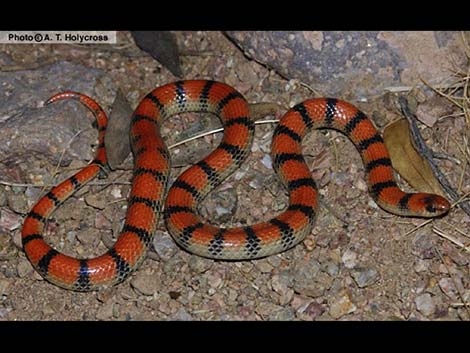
359, 262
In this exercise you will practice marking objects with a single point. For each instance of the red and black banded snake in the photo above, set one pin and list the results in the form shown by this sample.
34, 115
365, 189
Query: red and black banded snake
147, 201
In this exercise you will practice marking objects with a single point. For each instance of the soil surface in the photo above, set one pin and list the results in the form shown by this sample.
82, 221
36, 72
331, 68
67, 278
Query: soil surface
359, 262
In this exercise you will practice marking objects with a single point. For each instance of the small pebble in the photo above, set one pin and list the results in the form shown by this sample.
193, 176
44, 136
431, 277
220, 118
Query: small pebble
423, 245
144, 283
116, 192
314, 310
349, 259
105, 312
96, 201
365, 276
7, 247
164, 245
448, 287
182, 315
48, 310
88, 236
341, 305
267, 162
18, 203
214, 280
199, 264
9, 220
332, 268
309, 280
24, 268
4, 287
264, 266
281, 284
422, 265
284, 314
425, 304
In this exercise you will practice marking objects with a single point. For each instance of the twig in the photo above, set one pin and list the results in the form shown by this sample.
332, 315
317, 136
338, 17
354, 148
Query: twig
458, 230
459, 305
451, 239
417, 227
427, 153
214, 131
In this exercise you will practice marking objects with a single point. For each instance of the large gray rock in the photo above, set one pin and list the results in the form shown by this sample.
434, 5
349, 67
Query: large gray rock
355, 64
32, 131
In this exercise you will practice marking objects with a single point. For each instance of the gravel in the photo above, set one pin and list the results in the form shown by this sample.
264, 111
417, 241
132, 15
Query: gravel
339, 272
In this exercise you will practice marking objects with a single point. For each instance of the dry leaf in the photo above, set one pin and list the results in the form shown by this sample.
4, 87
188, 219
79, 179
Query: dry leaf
407, 161
117, 134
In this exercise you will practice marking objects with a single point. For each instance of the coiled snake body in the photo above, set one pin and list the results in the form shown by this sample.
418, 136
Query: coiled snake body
150, 176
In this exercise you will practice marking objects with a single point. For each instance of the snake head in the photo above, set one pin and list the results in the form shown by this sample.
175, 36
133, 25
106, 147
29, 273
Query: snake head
434, 205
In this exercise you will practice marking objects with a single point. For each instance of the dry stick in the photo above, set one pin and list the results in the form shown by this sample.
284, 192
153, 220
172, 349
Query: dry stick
427, 153
440, 232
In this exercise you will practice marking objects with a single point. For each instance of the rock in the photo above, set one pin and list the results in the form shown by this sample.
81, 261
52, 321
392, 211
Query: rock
423, 245
432, 109
146, 284
284, 314
447, 286
5, 287
162, 46
37, 131
309, 280
314, 310
425, 304
7, 246
106, 311
9, 220
331, 268
280, 284
264, 266
341, 304
422, 265
182, 315
356, 63
88, 236
199, 264
164, 245
349, 259
17, 202
96, 200
270, 311
24, 268
214, 280
365, 276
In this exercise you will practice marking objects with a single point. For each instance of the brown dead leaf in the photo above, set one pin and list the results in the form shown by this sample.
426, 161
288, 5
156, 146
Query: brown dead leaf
117, 134
407, 161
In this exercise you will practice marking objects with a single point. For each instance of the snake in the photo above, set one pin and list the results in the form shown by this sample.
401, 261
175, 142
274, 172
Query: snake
151, 197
